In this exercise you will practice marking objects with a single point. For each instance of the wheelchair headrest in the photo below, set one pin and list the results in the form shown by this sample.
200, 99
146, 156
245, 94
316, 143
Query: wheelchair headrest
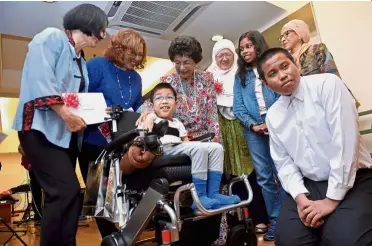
126, 123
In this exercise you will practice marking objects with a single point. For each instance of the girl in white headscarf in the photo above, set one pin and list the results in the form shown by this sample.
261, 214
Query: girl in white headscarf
224, 67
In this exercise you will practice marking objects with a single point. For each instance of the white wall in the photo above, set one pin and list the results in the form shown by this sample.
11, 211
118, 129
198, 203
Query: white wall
346, 29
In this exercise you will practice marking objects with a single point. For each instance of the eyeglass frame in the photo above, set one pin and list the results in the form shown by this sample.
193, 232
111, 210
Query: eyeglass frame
192, 63
285, 35
227, 55
162, 98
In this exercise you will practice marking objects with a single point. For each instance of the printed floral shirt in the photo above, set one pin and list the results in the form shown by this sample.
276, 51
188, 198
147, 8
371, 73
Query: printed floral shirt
196, 103
317, 59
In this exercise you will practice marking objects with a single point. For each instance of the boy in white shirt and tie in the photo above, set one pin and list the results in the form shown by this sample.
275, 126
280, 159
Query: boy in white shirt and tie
321, 160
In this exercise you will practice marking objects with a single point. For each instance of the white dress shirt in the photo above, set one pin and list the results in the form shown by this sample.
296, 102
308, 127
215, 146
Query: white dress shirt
314, 134
259, 94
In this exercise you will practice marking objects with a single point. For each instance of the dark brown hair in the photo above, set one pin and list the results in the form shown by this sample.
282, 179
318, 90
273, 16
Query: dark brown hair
186, 46
259, 44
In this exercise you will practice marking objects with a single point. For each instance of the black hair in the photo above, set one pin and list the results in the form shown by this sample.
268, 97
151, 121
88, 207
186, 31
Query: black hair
267, 55
162, 86
186, 46
88, 18
260, 45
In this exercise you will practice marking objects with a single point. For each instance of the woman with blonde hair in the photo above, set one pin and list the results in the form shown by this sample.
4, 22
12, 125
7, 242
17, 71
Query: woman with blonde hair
114, 75
309, 58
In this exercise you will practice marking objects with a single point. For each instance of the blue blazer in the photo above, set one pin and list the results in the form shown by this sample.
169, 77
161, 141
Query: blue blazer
245, 105
49, 70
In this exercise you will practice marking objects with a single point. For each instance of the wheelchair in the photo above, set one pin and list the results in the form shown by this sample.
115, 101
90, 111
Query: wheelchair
160, 195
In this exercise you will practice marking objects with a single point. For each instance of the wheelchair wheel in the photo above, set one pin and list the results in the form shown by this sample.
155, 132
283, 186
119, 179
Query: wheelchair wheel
239, 236
115, 239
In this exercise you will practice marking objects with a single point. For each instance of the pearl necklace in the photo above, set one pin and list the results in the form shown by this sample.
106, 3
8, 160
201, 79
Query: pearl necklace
120, 89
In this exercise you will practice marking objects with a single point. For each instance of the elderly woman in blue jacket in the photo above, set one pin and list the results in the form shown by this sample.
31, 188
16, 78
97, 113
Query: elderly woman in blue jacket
252, 99
47, 129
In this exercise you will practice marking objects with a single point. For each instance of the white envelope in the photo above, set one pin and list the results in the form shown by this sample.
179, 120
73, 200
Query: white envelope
92, 107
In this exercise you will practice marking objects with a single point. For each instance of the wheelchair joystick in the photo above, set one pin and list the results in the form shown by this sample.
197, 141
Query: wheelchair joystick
115, 115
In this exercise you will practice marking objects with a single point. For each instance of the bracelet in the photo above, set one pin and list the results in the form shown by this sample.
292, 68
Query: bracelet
251, 127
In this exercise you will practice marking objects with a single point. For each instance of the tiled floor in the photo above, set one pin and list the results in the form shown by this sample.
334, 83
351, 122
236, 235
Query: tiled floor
86, 236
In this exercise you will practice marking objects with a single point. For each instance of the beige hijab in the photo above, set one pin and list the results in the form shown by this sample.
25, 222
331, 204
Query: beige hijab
302, 30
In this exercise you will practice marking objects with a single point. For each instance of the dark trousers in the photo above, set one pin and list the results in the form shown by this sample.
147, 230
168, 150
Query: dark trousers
349, 225
88, 154
54, 169
36, 196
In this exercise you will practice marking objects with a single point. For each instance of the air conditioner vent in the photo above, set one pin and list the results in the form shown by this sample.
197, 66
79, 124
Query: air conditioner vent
173, 4
139, 30
160, 18
145, 23
157, 8
150, 15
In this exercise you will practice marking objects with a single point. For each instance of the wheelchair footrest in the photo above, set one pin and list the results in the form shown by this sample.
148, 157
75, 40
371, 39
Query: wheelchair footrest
144, 211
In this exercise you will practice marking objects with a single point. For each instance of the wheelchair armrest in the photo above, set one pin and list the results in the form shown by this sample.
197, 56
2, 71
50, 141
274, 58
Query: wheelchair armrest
204, 138
121, 140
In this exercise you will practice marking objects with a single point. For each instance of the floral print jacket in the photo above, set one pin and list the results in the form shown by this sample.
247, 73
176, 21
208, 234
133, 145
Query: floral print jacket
317, 59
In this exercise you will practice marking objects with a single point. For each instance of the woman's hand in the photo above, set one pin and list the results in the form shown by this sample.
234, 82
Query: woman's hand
74, 123
262, 128
6, 193
142, 117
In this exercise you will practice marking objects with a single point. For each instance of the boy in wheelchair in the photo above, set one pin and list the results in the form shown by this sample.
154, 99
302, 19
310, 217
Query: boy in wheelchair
206, 157
148, 180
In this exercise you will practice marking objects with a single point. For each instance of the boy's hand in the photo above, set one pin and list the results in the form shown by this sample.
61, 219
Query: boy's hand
319, 209
148, 124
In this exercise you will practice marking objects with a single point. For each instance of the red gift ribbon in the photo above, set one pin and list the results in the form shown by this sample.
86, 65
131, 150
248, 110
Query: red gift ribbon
71, 100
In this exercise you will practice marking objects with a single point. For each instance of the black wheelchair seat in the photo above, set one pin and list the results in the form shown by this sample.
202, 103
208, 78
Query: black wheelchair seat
173, 160
172, 168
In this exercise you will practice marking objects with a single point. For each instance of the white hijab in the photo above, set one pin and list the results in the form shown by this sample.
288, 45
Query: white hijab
226, 77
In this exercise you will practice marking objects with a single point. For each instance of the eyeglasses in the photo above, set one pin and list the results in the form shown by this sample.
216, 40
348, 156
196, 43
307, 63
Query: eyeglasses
227, 55
161, 98
102, 35
185, 64
285, 35
133, 54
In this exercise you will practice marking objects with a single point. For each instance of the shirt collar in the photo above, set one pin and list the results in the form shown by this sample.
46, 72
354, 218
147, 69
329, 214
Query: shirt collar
298, 94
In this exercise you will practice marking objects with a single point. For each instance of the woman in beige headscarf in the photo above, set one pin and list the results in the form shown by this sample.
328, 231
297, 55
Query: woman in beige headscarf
310, 58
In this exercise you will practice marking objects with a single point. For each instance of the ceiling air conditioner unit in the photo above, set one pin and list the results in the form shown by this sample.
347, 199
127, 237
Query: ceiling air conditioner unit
161, 19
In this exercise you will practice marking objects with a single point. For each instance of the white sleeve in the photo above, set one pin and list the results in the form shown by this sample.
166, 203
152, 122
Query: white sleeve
342, 118
181, 128
288, 172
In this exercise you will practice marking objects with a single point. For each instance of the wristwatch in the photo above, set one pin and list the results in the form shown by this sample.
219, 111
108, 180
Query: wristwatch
251, 126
